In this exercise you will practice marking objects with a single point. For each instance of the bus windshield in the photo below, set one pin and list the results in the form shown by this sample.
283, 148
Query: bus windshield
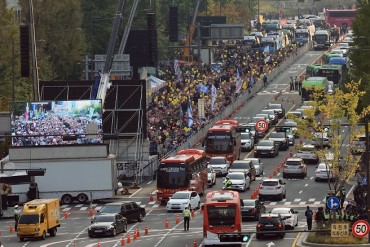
172, 175
218, 143
221, 216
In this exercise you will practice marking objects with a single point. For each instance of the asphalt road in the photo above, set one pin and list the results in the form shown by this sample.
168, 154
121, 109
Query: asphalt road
300, 193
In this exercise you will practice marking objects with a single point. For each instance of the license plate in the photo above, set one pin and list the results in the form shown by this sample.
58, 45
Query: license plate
269, 188
98, 230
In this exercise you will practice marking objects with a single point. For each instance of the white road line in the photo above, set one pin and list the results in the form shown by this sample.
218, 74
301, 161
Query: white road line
297, 200
311, 199
63, 206
66, 209
135, 192
302, 203
138, 203
79, 205
153, 202
284, 200
305, 185
155, 205
287, 203
311, 178
300, 192
317, 202
98, 207
83, 208
273, 203
93, 205
149, 182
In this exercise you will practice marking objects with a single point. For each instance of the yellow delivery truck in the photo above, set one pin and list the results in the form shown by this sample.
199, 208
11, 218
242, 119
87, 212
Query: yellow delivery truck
39, 216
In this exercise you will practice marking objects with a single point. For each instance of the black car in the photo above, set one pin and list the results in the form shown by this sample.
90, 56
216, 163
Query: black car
266, 148
107, 225
130, 210
245, 166
281, 138
278, 108
271, 224
252, 208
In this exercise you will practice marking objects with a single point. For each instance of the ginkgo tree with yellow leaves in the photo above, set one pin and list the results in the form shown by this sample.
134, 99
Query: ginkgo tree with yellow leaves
336, 117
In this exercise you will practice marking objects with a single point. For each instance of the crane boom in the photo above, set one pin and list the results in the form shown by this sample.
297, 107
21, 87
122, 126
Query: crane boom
104, 83
128, 27
189, 39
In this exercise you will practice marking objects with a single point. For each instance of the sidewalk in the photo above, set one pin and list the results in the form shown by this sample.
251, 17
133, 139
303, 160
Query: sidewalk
300, 241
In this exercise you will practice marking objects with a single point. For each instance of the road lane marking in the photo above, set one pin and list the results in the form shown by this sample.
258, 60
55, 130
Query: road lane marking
311, 199
297, 200
300, 192
317, 202
153, 202
287, 203
305, 185
302, 203
273, 203
311, 178
83, 208
135, 193
149, 182
79, 205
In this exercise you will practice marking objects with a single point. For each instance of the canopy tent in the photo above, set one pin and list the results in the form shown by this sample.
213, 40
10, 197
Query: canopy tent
156, 83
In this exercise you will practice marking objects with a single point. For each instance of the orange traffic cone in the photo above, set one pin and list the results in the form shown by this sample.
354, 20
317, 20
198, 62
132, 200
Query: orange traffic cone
135, 235
138, 233
291, 154
151, 197
74, 243
270, 176
177, 219
167, 224
11, 229
192, 213
275, 172
98, 245
0, 234
195, 243
65, 215
146, 230
128, 238
123, 240
91, 212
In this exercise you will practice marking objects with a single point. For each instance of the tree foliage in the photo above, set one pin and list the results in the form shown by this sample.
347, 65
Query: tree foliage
331, 111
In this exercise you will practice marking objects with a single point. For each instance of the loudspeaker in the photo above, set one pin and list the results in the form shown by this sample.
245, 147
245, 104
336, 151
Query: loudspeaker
173, 24
152, 39
25, 50
33, 192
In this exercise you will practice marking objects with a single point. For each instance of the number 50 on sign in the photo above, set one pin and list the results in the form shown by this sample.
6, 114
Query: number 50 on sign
360, 228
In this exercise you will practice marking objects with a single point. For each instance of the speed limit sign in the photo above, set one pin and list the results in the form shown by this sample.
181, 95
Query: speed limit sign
261, 125
360, 228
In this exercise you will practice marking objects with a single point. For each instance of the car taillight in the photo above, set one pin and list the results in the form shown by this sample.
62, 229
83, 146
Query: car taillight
285, 166
254, 210
318, 171
301, 166
280, 226
277, 187
261, 187
259, 226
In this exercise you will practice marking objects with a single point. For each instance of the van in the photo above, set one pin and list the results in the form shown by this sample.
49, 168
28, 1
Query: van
278, 108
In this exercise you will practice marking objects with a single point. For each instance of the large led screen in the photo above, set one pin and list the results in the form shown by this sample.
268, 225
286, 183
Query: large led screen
52, 123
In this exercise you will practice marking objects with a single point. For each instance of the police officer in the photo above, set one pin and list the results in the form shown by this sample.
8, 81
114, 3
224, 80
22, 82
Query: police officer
342, 197
228, 184
291, 83
186, 214
17, 214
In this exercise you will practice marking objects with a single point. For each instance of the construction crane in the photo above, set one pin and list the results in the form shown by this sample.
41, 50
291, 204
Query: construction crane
189, 39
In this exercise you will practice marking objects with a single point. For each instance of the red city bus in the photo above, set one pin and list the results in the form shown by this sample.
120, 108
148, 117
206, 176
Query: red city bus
223, 140
340, 17
221, 214
185, 171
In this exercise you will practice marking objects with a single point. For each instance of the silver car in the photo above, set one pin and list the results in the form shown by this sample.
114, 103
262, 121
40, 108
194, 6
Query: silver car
324, 171
247, 141
272, 115
308, 153
294, 167
220, 164
258, 165
239, 180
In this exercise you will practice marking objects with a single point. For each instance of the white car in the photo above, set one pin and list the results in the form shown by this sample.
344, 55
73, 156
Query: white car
258, 165
324, 171
272, 187
288, 215
220, 164
240, 181
182, 199
247, 141
211, 176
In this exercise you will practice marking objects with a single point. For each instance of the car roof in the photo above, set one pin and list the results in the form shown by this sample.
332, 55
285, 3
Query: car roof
269, 215
270, 179
217, 157
240, 173
240, 161
294, 159
118, 203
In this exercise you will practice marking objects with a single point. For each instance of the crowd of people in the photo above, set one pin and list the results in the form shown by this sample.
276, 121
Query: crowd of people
237, 69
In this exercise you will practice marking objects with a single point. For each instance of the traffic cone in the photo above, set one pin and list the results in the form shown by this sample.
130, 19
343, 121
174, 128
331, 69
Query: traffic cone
177, 219
138, 233
98, 245
300, 142
91, 212
123, 240
270, 176
278, 168
0, 234
135, 235
291, 154
65, 215
195, 243
282, 164
192, 213
151, 197
74, 243
167, 224
128, 238
275, 173
146, 230
11, 229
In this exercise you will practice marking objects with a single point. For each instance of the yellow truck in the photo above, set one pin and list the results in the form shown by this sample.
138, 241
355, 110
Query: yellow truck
39, 216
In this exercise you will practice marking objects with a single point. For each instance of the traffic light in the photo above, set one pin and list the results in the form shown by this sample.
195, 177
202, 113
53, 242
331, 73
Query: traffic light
326, 129
235, 237
25, 50
173, 24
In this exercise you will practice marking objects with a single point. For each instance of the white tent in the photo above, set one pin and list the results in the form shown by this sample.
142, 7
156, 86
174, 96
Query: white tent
156, 83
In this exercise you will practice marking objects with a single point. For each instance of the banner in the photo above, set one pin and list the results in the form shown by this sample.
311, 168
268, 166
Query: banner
177, 69
189, 114
214, 95
238, 82
201, 106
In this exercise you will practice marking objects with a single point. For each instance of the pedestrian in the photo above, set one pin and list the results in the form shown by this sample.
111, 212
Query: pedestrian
320, 218
17, 214
228, 184
186, 213
264, 80
296, 83
291, 83
342, 197
1, 244
308, 213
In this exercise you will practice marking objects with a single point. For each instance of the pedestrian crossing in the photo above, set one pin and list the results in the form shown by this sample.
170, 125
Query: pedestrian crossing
265, 92
296, 202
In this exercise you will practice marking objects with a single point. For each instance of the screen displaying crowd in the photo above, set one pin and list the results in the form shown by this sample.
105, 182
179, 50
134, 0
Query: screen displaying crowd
56, 123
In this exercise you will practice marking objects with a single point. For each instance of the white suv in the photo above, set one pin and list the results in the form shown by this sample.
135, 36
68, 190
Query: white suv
240, 181
220, 164
182, 199
272, 187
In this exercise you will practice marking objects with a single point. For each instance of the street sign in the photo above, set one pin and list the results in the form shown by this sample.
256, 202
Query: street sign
261, 125
333, 202
339, 230
360, 228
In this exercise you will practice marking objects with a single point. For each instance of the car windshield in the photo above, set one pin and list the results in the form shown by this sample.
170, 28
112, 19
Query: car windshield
181, 196
270, 112
274, 106
292, 163
104, 218
270, 183
249, 203
343, 45
277, 135
29, 219
239, 165
290, 124
324, 166
108, 209
269, 219
280, 211
236, 176
308, 149
245, 135
265, 143
217, 161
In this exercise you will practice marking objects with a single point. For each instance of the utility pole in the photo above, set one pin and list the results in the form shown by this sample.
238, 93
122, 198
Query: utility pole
199, 44
35, 69
367, 172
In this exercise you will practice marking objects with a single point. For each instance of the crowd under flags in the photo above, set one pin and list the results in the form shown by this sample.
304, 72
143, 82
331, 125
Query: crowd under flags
213, 95
266, 48
177, 69
189, 114
238, 82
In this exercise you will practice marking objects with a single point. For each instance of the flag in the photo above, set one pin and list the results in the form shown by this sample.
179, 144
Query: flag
189, 114
27, 111
251, 82
213, 95
266, 49
181, 115
177, 69
238, 82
